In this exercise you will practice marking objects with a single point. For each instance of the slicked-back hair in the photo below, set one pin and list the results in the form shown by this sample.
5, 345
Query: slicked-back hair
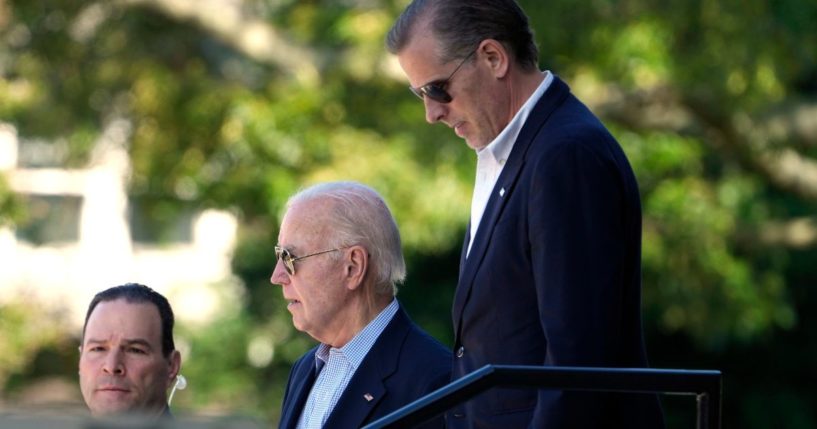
358, 215
460, 25
136, 293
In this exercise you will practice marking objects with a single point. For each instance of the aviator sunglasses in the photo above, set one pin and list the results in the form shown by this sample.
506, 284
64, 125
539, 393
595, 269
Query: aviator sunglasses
289, 259
436, 90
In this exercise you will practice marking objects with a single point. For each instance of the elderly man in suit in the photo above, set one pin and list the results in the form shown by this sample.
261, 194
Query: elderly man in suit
550, 266
339, 261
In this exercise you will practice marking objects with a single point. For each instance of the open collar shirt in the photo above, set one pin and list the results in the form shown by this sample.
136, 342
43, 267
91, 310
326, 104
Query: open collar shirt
491, 159
336, 366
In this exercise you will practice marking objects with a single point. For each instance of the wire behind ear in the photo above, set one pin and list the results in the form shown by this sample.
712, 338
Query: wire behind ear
181, 384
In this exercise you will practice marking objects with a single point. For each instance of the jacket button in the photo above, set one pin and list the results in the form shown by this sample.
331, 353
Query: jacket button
460, 351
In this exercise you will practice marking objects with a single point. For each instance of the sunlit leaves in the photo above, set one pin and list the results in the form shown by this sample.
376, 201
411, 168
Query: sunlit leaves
429, 205
640, 52
11, 208
695, 278
23, 330
212, 127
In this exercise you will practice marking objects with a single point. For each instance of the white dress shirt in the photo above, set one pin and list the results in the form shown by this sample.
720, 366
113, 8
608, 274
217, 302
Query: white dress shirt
491, 159
337, 366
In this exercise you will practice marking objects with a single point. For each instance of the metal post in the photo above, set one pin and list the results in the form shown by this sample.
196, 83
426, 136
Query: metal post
703, 411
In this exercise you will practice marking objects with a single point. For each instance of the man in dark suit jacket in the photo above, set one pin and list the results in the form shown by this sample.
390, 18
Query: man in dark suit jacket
372, 359
550, 267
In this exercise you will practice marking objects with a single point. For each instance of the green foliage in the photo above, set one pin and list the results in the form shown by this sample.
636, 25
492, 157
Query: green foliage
11, 209
213, 126
24, 330
694, 279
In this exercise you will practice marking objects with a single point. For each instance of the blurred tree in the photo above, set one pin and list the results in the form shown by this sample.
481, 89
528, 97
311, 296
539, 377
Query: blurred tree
237, 103
11, 209
23, 332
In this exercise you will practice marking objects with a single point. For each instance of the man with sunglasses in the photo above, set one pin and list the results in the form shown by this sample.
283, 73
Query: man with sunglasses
339, 263
550, 266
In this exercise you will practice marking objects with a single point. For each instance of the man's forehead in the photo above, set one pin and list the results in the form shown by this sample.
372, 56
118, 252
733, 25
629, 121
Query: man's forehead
122, 341
132, 320
421, 59
121, 305
422, 34
304, 222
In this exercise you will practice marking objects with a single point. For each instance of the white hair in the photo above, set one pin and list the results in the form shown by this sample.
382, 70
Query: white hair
360, 216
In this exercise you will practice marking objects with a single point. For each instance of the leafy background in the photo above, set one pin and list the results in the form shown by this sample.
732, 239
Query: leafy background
235, 104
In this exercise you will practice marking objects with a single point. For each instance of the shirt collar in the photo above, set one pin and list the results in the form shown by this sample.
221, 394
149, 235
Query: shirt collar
355, 350
500, 147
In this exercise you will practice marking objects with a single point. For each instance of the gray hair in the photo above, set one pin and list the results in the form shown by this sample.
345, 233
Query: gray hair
360, 216
460, 25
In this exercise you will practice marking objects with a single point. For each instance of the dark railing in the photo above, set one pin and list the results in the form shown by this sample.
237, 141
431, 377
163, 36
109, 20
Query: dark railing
704, 384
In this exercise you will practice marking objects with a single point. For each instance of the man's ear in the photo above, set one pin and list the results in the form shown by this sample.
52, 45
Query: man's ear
355, 266
175, 360
494, 54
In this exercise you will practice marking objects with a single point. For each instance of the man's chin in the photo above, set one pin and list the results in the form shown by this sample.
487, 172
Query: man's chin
475, 144
110, 408
127, 413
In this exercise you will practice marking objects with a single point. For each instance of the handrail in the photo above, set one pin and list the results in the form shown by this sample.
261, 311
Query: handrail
704, 384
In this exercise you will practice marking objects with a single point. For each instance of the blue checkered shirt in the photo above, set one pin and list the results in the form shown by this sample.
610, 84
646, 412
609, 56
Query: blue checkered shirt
337, 366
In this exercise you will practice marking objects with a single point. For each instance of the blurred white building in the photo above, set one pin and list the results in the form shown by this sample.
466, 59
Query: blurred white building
80, 240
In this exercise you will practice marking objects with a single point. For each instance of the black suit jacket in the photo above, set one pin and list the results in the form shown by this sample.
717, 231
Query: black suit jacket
404, 364
553, 277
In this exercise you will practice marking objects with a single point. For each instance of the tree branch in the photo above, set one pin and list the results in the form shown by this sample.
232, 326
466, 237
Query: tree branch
797, 233
792, 122
753, 141
255, 38
743, 137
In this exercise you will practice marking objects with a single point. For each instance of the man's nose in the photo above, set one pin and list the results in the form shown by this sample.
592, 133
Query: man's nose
113, 363
279, 274
435, 110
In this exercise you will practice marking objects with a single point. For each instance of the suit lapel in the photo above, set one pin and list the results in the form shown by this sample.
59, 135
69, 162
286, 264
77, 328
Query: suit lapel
551, 99
465, 243
303, 385
367, 387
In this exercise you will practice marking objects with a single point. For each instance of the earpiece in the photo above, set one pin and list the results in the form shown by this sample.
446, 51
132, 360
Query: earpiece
181, 384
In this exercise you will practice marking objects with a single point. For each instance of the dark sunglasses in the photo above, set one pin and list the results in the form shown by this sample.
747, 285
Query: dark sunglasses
436, 90
289, 259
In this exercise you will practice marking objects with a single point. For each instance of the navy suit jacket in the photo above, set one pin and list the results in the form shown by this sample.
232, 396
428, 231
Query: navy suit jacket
404, 364
554, 275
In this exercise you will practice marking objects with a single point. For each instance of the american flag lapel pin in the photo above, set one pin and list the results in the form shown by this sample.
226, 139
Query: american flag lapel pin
502, 192
368, 397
